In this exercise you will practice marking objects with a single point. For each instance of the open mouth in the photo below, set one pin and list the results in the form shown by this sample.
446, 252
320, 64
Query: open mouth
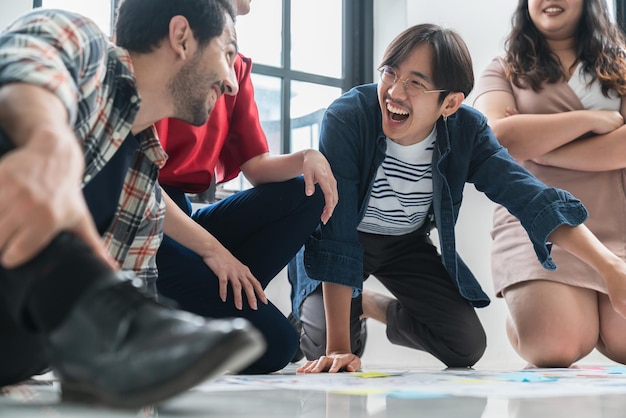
397, 114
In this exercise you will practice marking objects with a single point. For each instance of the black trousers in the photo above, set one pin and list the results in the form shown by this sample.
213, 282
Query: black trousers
263, 227
428, 314
36, 296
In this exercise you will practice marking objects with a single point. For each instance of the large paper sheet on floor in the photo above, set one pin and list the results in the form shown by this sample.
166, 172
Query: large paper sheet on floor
532, 383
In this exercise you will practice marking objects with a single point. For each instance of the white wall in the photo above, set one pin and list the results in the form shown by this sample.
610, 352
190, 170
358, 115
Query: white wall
10, 9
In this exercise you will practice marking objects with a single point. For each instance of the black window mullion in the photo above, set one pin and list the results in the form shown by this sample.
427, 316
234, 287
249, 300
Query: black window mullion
297, 75
363, 35
620, 14
357, 57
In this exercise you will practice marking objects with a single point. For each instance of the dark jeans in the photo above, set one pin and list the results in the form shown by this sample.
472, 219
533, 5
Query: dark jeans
36, 296
262, 227
428, 314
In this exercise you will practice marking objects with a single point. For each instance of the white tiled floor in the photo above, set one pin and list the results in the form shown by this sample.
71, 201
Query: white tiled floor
228, 397
215, 400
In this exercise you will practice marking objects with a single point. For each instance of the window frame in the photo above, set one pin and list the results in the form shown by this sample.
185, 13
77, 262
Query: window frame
357, 59
114, 4
620, 13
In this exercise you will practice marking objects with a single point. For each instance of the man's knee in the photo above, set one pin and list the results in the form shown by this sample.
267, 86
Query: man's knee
313, 323
468, 350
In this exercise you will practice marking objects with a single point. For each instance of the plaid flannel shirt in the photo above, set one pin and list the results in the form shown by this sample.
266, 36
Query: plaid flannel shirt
70, 56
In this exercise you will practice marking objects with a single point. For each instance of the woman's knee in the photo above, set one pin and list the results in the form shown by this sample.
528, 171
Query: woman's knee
613, 347
553, 349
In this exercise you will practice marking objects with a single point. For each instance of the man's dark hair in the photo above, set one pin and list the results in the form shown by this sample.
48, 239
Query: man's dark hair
141, 25
452, 64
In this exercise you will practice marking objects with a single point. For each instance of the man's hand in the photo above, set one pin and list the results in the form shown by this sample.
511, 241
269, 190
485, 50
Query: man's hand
229, 269
332, 363
41, 195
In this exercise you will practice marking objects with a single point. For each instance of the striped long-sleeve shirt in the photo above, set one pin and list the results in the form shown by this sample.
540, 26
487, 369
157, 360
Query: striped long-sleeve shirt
69, 55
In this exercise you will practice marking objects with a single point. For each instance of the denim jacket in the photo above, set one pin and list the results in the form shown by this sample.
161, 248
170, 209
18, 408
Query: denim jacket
466, 151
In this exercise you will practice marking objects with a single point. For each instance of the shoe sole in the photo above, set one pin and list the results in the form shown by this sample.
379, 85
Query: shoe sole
249, 344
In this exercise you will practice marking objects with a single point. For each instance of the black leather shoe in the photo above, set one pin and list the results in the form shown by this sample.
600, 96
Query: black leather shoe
120, 348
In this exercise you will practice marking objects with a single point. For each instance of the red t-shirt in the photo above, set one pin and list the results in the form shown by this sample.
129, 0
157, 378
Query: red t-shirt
232, 135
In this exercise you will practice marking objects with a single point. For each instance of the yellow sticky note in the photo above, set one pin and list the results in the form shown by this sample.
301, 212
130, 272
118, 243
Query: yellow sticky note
368, 375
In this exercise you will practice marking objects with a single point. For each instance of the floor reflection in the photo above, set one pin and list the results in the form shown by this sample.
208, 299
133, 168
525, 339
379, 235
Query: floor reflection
42, 400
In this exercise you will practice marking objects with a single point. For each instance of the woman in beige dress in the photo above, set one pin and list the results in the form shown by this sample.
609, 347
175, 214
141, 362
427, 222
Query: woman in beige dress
555, 100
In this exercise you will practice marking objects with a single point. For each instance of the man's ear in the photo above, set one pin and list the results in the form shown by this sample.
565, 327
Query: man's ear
180, 36
451, 103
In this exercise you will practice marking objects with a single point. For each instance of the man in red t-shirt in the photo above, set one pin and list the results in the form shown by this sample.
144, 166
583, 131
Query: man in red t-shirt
219, 265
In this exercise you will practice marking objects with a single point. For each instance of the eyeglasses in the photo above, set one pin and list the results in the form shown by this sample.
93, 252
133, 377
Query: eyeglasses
412, 86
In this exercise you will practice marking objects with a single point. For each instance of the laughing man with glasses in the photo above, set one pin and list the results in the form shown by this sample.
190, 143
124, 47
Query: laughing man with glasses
401, 157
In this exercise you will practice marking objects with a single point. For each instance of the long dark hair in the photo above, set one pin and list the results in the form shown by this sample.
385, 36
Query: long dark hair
601, 48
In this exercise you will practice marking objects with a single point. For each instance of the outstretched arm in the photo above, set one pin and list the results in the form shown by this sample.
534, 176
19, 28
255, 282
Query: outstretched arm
339, 355
311, 163
583, 244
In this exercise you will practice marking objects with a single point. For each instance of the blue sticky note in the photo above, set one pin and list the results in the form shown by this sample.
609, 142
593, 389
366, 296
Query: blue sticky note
527, 377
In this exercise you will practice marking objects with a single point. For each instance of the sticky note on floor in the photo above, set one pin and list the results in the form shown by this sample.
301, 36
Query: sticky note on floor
527, 377
369, 375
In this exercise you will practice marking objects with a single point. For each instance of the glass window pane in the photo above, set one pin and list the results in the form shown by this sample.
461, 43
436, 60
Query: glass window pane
97, 10
267, 93
316, 41
259, 33
308, 102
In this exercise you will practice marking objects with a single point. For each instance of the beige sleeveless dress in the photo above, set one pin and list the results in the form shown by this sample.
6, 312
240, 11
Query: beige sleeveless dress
603, 194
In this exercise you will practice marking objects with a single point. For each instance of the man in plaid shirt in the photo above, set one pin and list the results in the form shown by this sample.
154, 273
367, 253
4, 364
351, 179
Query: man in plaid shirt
79, 199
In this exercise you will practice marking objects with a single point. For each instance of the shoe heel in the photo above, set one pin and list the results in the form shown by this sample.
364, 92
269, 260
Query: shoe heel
73, 393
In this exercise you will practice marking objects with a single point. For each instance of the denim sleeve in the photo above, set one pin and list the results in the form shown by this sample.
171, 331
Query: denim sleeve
539, 208
551, 208
336, 262
333, 253
302, 285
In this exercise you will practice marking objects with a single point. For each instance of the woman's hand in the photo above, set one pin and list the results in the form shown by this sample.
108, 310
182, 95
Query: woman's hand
605, 121
616, 286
